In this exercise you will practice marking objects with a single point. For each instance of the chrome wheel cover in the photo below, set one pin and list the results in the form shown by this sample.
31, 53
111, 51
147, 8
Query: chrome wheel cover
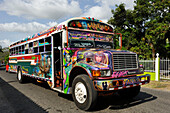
80, 92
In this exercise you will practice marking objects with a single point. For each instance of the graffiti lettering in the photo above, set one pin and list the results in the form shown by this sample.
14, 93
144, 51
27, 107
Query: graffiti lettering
119, 74
25, 69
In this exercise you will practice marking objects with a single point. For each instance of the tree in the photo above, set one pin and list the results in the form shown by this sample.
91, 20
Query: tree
158, 27
1, 48
6, 59
145, 29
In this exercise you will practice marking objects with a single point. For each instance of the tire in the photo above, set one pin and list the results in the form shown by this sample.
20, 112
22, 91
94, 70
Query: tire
129, 92
83, 92
20, 77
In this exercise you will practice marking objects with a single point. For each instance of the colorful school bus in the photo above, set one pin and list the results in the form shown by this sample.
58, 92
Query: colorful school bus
78, 57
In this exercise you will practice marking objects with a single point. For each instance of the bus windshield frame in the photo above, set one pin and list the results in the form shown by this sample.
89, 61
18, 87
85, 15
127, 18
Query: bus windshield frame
90, 39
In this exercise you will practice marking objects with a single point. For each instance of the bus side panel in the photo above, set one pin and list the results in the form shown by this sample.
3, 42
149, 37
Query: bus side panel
12, 67
43, 67
39, 66
67, 66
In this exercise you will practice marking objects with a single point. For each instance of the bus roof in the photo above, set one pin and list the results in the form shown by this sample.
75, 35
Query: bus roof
54, 28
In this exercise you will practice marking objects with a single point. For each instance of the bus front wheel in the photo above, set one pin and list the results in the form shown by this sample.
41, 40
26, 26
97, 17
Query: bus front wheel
83, 92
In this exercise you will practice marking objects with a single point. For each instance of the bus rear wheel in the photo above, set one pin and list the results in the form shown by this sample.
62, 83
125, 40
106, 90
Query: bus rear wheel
20, 77
83, 92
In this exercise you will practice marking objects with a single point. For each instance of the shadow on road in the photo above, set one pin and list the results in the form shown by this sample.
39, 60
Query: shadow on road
15, 102
115, 102
141, 98
21, 103
68, 96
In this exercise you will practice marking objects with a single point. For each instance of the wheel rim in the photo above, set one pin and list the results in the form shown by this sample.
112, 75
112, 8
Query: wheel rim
19, 75
80, 92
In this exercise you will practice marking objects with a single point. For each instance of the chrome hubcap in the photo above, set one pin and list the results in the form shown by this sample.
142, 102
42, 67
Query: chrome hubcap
80, 92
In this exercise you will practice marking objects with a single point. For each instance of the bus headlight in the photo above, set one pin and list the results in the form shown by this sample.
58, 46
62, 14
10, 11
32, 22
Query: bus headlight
105, 73
101, 73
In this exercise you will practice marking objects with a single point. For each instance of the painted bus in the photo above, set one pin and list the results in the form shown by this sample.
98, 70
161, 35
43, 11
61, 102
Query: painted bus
78, 57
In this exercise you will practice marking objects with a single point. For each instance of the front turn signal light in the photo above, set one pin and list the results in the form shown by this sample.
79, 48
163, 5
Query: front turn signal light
96, 73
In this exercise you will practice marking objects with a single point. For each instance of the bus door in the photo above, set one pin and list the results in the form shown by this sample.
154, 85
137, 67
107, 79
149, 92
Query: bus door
57, 55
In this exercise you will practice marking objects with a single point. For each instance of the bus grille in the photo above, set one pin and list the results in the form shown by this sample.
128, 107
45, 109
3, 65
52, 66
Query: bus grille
125, 61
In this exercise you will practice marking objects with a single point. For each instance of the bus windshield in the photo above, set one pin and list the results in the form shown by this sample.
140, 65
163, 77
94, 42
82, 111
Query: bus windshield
79, 39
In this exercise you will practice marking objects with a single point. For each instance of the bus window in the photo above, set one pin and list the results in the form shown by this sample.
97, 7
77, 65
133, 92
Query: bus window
48, 44
16, 51
30, 51
41, 49
31, 44
47, 40
26, 51
47, 47
41, 45
26, 48
41, 42
35, 46
12, 51
22, 52
35, 49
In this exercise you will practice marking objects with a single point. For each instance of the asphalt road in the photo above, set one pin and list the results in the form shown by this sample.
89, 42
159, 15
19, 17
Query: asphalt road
32, 97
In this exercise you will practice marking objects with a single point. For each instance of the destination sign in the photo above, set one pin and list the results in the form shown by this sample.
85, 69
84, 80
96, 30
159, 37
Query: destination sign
90, 25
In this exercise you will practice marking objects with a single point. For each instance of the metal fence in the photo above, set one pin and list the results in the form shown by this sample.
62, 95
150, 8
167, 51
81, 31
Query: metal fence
165, 68
149, 65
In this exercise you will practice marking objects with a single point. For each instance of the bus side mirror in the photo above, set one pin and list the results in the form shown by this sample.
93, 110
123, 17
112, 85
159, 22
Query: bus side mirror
120, 40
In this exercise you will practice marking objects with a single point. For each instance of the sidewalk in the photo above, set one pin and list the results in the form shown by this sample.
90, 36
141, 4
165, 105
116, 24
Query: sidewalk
161, 85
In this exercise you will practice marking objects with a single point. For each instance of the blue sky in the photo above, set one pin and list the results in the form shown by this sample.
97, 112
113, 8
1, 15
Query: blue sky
22, 18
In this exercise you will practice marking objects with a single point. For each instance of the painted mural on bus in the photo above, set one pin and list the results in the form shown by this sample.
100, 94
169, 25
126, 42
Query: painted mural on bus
81, 56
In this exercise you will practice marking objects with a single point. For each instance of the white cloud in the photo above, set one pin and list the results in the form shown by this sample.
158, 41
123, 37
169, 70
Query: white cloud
51, 24
99, 12
32, 27
128, 3
14, 31
41, 9
5, 43
103, 10
57, 9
